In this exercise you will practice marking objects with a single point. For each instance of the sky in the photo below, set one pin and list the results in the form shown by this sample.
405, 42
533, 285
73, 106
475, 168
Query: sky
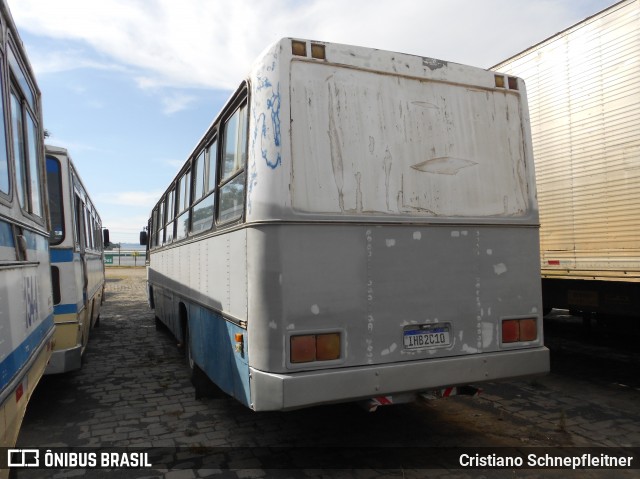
130, 86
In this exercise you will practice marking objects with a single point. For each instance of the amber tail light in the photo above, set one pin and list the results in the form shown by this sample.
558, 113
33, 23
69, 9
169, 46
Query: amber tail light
518, 330
315, 347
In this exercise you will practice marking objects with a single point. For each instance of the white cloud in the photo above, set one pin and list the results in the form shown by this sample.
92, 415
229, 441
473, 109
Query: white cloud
176, 102
136, 199
71, 145
201, 43
52, 61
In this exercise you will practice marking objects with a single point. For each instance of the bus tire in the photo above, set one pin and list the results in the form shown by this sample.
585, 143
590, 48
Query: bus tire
187, 349
202, 385
158, 323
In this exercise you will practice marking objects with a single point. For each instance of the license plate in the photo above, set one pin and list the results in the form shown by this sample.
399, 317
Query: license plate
427, 336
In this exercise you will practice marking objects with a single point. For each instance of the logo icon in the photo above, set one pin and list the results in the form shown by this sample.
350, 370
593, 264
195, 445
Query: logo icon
23, 457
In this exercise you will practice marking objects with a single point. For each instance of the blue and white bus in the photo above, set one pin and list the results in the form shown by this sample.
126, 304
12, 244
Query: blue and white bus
26, 303
355, 225
77, 260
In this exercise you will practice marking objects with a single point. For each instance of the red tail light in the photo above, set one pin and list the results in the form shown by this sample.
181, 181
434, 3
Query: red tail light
516, 330
510, 331
315, 347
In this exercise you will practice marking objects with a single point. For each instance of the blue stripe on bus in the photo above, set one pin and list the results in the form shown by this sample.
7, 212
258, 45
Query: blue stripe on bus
6, 235
61, 255
65, 309
12, 364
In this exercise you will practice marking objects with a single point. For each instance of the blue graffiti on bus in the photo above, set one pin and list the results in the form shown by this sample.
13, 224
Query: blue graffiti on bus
273, 105
261, 126
265, 135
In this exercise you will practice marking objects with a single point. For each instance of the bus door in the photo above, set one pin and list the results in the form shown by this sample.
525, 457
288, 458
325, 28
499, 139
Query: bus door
81, 245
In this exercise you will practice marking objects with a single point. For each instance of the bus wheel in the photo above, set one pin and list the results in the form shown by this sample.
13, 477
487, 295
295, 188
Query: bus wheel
187, 350
158, 323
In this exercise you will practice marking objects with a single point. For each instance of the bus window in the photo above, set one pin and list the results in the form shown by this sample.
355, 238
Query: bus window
26, 157
4, 159
202, 214
98, 232
87, 228
182, 223
79, 235
198, 177
22, 79
170, 209
211, 167
170, 214
235, 139
54, 180
18, 148
235, 153
25, 140
155, 224
185, 194
160, 225
34, 173
232, 199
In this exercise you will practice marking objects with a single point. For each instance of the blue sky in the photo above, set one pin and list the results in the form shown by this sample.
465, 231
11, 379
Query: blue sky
130, 86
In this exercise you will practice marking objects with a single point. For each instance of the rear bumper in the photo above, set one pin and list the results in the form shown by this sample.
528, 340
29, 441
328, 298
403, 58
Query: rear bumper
65, 360
271, 391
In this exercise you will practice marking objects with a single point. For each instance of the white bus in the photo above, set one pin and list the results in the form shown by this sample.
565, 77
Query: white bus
26, 306
356, 224
77, 261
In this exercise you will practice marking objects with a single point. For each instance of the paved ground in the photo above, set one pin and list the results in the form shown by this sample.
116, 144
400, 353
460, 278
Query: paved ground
133, 391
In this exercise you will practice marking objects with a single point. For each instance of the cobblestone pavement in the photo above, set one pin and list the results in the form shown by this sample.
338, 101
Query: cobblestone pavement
133, 391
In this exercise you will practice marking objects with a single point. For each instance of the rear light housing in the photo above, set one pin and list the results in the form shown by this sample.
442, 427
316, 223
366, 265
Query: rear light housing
315, 347
519, 330
299, 49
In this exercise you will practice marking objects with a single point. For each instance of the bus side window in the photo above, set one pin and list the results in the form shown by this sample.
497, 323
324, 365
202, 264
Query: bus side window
34, 172
170, 213
79, 229
26, 157
198, 177
184, 197
18, 149
4, 157
25, 135
204, 192
87, 229
232, 172
160, 224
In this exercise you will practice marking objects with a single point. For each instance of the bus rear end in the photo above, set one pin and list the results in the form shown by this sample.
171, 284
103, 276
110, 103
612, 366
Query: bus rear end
402, 255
